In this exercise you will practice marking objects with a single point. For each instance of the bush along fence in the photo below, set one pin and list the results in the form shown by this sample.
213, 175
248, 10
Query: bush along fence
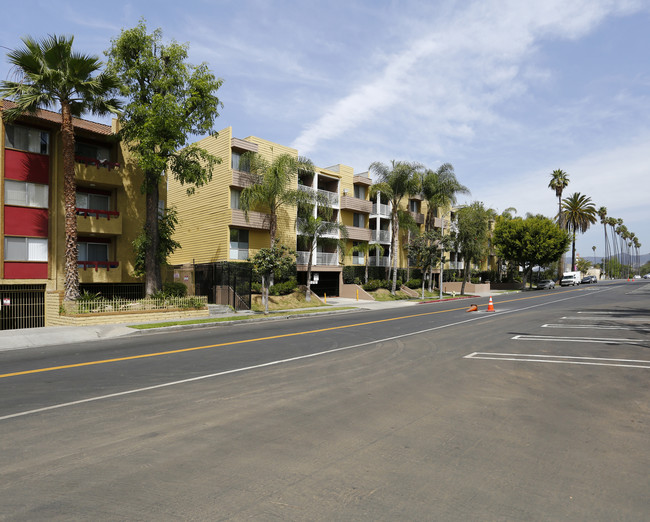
99, 305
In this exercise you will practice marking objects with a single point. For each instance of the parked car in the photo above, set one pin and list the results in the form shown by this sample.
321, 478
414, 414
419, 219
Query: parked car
589, 279
545, 283
647, 276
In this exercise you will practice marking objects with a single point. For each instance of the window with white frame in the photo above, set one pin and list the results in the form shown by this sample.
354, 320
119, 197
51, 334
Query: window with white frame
27, 139
239, 163
235, 195
414, 206
358, 220
25, 249
360, 191
358, 258
88, 251
26, 194
238, 244
93, 201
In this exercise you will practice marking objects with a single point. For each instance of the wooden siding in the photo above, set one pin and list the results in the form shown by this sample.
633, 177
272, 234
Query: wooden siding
359, 234
257, 220
356, 204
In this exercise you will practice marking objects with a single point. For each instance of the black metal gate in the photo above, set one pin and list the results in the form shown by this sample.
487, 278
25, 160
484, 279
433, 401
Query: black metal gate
22, 306
225, 283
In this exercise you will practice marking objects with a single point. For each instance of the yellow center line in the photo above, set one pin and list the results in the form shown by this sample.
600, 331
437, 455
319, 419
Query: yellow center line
243, 341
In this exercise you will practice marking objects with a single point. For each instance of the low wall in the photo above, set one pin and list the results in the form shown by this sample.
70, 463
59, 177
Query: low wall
507, 286
350, 292
470, 288
126, 317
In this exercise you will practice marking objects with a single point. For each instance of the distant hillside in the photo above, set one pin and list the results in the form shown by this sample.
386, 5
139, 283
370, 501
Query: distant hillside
644, 259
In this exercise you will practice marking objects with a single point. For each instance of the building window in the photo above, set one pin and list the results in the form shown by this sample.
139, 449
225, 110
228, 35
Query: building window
359, 220
360, 191
239, 163
238, 244
91, 151
25, 249
235, 195
414, 206
93, 201
24, 138
92, 251
26, 194
358, 258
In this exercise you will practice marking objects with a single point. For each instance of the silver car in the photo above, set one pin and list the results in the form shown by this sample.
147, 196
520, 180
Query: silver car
545, 283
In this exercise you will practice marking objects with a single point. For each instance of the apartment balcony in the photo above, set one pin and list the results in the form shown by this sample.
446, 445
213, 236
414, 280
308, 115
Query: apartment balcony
417, 217
382, 261
242, 179
319, 259
380, 236
332, 198
98, 173
301, 223
98, 222
256, 220
359, 234
100, 272
356, 204
362, 179
380, 210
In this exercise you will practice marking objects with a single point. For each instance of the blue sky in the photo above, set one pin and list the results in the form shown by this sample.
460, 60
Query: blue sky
506, 91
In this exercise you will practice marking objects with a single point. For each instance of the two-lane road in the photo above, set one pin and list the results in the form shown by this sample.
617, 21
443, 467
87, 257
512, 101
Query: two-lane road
533, 412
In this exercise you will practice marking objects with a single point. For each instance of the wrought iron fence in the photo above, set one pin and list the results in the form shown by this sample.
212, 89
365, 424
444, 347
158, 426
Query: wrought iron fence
22, 306
102, 305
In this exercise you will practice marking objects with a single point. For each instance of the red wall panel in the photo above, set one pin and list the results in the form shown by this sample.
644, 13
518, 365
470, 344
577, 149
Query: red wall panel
27, 166
18, 270
25, 221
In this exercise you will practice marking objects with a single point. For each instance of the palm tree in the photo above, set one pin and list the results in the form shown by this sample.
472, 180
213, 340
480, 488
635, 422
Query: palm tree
271, 189
579, 213
315, 228
365, 248
440, 189
395, 183
51, 75
611, 223
559, 181
602, 213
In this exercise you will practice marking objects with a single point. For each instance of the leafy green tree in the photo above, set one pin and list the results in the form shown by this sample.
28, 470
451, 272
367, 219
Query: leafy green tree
424, 250
168, 100
395, 182
272, 188
266, 262
440, 189
559, 181
528, 242
51, 75
472, 236
583, 264
579, 213
167, 222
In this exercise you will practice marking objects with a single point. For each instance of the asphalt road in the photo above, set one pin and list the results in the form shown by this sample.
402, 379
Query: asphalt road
538, 411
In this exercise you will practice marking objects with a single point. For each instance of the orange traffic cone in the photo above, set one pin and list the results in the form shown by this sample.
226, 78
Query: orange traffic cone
490, 306
473, 308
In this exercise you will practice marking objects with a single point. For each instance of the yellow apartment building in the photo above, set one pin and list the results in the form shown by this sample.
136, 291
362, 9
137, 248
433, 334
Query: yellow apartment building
110, 214
213, 229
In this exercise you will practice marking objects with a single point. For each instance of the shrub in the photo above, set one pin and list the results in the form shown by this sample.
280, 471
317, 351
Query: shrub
175, 289
414, 283
283, 288
256, 287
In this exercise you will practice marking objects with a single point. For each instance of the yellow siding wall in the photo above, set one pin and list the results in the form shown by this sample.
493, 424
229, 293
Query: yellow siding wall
205, 215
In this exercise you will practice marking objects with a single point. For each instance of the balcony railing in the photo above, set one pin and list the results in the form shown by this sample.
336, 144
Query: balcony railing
89, 212
331, 197
99, 264
302, 258
382, 261
381, 210
97, 163
327, 258
381, 236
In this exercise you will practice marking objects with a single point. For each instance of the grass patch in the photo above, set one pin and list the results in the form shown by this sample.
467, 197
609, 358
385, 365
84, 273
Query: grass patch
149, 326
284, 302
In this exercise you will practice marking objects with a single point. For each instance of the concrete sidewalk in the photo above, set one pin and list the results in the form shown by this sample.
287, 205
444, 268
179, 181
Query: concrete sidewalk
57, 335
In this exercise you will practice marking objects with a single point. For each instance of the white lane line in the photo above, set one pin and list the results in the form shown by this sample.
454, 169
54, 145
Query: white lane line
602, 313
603, 340
560, 359
595, 327
611, 319
282, 361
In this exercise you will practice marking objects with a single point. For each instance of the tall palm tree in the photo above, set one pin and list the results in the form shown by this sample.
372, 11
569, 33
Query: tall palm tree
611, 223
366, 248
579, 213
602, 214
559, 181
51, 75
315, 228
272, 188
440, 189
395, 182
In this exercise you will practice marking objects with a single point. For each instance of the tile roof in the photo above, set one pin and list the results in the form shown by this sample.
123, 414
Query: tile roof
55, 117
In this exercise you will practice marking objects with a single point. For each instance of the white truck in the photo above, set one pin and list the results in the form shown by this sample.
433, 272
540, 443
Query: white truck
571, 278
